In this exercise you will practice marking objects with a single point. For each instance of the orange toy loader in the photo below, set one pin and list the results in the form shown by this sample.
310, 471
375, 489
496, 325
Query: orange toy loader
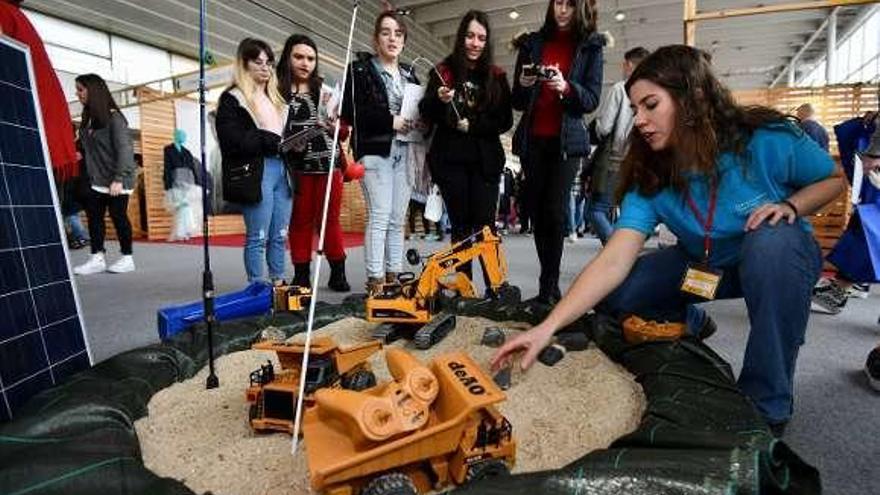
272, 394
431, 427
636, 330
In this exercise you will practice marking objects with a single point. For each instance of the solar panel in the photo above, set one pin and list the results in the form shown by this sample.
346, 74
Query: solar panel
42, 336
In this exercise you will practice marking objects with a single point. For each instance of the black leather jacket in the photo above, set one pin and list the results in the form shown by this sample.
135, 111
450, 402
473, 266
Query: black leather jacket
368, 112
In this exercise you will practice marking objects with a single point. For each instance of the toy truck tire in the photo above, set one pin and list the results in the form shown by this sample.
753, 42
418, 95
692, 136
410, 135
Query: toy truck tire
390, 484
359, 380
489, 468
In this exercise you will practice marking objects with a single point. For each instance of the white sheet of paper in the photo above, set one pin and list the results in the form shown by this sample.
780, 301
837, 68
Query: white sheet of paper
858, 173
409, 109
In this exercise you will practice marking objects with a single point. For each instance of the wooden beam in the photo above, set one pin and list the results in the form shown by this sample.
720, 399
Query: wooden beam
690, 25
771, 9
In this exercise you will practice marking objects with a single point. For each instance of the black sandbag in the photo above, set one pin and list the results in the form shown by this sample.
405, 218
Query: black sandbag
699, 433
82, 431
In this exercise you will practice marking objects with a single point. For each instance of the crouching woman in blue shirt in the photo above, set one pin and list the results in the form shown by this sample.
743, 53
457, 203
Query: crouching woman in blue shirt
733, 183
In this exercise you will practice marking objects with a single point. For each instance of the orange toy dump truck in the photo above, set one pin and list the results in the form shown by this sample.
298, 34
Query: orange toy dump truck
430, 427
272, 394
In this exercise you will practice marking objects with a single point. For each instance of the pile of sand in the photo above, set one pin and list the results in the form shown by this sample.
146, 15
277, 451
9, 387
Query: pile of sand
558, 413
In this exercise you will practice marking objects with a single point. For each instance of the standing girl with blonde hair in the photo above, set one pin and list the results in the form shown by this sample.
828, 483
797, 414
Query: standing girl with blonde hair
250, 121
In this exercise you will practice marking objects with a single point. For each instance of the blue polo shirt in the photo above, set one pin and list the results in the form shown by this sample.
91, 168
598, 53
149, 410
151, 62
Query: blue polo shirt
779, 160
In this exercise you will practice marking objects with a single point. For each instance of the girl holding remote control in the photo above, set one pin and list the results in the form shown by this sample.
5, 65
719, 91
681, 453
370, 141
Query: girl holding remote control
470, 107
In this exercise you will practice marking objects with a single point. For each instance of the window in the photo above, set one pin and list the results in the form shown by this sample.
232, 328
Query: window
857, 57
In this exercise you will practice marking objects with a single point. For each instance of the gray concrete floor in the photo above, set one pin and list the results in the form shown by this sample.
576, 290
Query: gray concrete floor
834, 427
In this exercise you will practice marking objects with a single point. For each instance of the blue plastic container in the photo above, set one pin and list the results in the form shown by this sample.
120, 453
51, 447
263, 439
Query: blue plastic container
253, 300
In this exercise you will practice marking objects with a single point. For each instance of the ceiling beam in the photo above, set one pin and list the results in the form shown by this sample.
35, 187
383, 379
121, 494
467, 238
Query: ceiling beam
773, 9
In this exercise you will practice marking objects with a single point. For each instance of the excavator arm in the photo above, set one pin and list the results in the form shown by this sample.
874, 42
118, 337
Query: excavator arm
484, 246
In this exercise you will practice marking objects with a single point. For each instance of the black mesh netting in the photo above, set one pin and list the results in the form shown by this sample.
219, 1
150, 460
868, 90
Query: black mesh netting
699, 433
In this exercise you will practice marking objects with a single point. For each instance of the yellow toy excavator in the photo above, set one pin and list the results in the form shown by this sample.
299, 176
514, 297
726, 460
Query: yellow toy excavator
411, 306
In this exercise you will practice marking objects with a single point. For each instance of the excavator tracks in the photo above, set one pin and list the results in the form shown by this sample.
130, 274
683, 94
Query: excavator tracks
435, 331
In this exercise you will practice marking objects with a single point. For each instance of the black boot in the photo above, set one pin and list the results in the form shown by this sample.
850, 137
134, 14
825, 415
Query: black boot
337, 281
302, 275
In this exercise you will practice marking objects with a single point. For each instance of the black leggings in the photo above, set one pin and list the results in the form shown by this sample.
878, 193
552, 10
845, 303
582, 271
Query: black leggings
548, 184
470, 200
99, 203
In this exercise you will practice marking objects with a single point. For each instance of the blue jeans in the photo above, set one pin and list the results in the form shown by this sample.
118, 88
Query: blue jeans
575, 212
266, 224
600, 215
77, 231
386, 193
776, 273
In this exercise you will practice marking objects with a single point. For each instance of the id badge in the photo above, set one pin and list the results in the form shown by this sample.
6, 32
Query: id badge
701, 280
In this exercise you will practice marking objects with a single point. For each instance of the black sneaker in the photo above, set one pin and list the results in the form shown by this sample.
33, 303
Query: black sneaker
829, 299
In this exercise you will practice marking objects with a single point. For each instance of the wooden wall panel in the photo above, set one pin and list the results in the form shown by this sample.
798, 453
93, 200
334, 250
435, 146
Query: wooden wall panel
833, 105
157, 130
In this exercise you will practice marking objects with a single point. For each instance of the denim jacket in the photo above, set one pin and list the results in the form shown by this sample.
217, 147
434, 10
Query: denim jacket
585, 79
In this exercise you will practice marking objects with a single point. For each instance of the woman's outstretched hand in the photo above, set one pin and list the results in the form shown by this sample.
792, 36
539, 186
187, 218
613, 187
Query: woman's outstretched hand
532, 342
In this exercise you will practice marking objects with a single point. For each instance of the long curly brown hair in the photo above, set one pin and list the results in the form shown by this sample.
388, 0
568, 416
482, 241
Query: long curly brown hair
708, 122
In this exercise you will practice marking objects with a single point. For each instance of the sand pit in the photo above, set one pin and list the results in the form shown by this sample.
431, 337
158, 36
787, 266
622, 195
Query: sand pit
202, 437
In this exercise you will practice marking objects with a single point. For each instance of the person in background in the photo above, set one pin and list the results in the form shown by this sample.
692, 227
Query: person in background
505, 200
854, 273
733, 183
109, 159
374, 96
300, 84
420, 180
70, 211
811, 126
871, 162
250, 120
557, 81
470, 107
612, 126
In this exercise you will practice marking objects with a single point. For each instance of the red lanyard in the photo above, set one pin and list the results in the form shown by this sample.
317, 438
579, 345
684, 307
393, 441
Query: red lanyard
707, 223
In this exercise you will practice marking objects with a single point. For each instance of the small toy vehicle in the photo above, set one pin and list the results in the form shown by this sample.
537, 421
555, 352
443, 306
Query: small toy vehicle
431, 427
411, 307
290, 298
272, 394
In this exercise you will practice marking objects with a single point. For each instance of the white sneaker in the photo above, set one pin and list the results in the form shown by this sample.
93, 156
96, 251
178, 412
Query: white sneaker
95, 264
571, 238
124, 264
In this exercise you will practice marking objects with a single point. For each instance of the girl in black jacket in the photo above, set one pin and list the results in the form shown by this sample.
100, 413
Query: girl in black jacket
557, 81
300, 85
470, 107
250, 119
373, 97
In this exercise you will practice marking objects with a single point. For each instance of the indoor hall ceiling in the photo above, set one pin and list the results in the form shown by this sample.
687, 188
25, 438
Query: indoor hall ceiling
748, 52
174, 24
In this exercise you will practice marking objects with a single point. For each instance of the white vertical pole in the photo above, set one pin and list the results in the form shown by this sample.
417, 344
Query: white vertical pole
831, 54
